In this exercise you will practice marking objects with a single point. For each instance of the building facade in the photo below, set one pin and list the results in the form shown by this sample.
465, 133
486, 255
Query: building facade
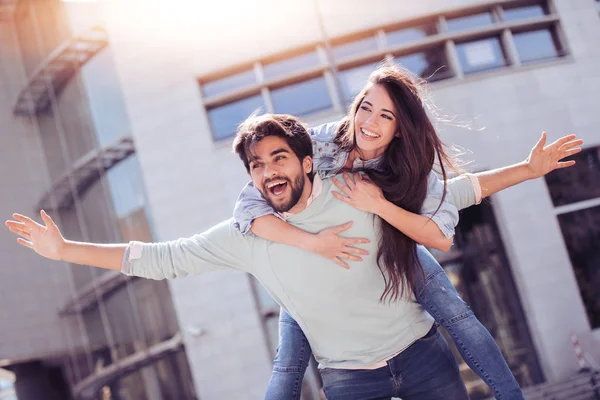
160, 101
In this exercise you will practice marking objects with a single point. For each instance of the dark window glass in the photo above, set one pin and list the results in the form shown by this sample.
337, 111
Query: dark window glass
431, 64
470, 22
225, 119
581, 232
402, 36
353, 80
291, 65
480, 55
302, 98
229, 84
536, 45
598, 4
354, 48
577, 183
513, 14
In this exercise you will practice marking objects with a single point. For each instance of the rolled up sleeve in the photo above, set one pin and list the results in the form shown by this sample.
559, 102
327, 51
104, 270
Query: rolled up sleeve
443, 213
221, 247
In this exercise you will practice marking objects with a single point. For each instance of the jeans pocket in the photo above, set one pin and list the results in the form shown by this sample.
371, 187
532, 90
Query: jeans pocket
433, 334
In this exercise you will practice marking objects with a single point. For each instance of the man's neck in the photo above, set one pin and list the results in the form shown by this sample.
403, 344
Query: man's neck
302, 203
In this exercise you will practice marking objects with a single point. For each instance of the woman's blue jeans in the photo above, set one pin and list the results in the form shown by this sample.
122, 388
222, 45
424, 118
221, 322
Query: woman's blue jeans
439, 297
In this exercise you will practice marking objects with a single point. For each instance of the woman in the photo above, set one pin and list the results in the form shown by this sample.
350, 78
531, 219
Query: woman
389, 136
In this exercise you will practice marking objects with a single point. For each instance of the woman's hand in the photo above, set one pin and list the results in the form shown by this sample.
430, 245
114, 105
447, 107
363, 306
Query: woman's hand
361, 193
329, 244
544, 159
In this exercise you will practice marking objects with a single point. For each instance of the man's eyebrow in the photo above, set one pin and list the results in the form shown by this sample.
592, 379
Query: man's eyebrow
280, 150
383, 109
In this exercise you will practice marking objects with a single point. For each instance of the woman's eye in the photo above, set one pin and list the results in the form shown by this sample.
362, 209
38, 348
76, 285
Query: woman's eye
387, 117
364, 108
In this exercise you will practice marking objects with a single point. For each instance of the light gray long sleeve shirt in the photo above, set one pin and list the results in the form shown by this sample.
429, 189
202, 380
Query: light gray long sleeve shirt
338, 310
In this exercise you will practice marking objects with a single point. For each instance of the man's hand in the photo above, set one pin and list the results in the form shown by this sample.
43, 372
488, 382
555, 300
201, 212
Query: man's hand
46, 240
329, 244
544, 159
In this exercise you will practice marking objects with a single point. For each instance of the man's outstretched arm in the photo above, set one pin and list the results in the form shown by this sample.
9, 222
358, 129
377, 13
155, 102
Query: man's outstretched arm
47, 241
219, 247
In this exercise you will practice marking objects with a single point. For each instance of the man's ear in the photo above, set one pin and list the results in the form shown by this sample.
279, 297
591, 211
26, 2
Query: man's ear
307, 164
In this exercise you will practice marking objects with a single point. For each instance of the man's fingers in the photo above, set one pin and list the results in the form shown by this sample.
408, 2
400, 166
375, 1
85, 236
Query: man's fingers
21, 232
25, 243
340, 263
341, 186
15, 224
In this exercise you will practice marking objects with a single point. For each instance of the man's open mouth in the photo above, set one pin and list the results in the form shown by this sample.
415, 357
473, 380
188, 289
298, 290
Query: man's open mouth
277, 187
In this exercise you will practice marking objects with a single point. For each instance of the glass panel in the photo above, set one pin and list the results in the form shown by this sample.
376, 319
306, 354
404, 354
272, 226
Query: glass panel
229, 84
581, 232
470, 22
513, 14
577, 183
224, 120
408, 35
354, 48
353, 80
302, 98
291, 65
598, 4
480, 55
535, 46
431, 64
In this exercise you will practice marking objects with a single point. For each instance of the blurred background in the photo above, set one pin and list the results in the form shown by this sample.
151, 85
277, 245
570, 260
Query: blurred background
117, 118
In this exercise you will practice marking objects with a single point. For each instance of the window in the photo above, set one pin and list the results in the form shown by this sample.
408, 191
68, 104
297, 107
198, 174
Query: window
299, 83
481, 55
581, 232
355, 48
291, 65
224, 120
302, 98
598, 4
536, 45
229, 83
407, 35
470, 22
353, 80
515, 14
577, 183
430, 64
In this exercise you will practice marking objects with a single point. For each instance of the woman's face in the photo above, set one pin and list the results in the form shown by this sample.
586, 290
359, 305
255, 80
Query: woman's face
375, 123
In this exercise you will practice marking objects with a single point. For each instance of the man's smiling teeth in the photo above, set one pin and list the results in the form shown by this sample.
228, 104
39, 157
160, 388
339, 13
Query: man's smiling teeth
275, 183
369, 134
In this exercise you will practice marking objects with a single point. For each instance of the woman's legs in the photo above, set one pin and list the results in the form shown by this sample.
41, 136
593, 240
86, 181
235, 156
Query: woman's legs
291, 361
475, 344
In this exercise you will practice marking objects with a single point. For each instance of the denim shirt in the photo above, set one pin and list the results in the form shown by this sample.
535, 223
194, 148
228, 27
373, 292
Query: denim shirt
329, 159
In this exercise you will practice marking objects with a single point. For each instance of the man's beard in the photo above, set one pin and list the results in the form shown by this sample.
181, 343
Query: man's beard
297, 187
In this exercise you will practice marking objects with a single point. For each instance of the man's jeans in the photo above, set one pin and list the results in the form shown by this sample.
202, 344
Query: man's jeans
426, 370
439, 297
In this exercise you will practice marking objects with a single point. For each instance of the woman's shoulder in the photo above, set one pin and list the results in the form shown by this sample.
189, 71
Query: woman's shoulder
324, 133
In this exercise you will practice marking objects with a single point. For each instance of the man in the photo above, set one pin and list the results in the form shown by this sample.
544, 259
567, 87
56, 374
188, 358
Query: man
339, 310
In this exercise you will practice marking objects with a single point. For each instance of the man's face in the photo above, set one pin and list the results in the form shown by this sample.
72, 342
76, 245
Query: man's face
277, 172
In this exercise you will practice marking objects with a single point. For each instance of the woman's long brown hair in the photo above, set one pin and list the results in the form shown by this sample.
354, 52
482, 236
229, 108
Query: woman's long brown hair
406, 164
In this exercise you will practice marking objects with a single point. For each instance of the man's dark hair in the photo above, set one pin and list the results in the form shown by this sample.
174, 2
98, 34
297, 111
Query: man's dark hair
256, 128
